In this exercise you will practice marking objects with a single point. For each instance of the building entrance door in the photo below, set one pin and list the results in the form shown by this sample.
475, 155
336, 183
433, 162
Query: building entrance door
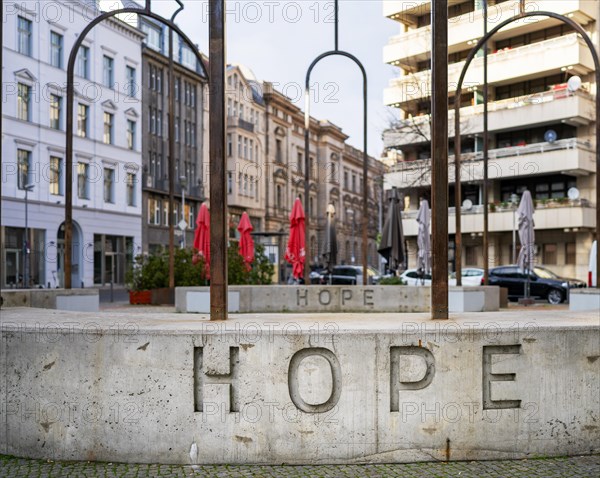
12, 268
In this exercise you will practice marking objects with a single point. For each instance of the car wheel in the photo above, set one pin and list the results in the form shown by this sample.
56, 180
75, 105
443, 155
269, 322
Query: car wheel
555, 296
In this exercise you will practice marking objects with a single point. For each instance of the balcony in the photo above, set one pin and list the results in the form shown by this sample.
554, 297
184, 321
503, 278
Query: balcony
557, 105
568, 156
406, 11
236, 122
415, 45
529, 61
573, 214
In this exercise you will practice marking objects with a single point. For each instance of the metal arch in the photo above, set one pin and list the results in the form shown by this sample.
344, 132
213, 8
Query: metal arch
70, 114
364, 216
458, 138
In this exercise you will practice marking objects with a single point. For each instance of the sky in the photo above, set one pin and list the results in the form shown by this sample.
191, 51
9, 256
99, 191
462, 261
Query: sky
278, 40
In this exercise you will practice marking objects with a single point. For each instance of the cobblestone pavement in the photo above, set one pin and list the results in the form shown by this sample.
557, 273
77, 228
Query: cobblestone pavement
584, 466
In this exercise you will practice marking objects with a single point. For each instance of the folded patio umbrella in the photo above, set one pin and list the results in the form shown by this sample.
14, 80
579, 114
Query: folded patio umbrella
202, 236
423, 240
526, 235
392, 236
246, 246
295, 252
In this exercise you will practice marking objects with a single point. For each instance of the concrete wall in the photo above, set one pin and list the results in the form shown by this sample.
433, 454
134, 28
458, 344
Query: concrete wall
82, 300
257, 299
298, 389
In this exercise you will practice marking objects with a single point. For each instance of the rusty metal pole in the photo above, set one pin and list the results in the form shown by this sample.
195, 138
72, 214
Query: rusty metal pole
171, 163
457, 190
486, 146
439, 170
307, 220
365, 185
218, 165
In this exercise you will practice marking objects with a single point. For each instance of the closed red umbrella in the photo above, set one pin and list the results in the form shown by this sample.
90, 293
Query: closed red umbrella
246, 242
295, 253
202, 236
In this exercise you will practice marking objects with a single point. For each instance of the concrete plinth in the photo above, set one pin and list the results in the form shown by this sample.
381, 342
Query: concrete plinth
262, 299
290, 388
76, 300
584, 299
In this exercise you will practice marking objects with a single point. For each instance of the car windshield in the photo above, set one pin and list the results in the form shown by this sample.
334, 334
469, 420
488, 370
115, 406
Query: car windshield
545, 273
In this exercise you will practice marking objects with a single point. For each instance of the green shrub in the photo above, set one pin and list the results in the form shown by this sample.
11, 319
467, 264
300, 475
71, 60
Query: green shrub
392, 281
152, 271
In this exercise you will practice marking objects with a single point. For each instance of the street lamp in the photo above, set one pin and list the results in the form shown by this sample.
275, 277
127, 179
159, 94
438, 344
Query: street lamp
28, 188
183, 224
514, 200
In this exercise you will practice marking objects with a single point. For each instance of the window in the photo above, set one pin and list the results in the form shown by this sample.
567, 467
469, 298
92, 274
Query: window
153, 36
165, 216
23, 102
345, 179
82, 120
278, 196
300, 160
108, 74
55, 175
131, 127
239, 147
131, 181
83, 62
177, 134
177, 86
108, 128
312, 170
109, 181
56, 49
246, 148
471, 255
229, 145
153, 212
570, 253
188, 58
24, 32
278, 151
131, 86
354, 183
55, 111
24, 165
83, 170
550, 253
229, 182
159, 122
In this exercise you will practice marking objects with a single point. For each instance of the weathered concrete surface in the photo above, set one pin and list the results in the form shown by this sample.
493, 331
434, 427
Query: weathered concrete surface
261, 299
291, 388
584, 299
77, 300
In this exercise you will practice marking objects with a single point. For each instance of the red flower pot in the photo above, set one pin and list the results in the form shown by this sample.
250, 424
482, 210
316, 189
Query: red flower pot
140, 297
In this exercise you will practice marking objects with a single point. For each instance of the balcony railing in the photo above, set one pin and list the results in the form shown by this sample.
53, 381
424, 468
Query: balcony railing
558, 203
422, 79
535, 148
558, 92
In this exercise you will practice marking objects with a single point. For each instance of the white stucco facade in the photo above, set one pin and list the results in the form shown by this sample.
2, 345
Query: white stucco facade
107, 203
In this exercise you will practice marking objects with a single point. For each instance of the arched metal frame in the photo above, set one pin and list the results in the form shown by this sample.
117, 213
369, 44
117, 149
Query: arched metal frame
364, 217
146, 11
458, 139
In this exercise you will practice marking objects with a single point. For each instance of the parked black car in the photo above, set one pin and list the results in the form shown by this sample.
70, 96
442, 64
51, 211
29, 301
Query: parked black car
544, 284
347, 275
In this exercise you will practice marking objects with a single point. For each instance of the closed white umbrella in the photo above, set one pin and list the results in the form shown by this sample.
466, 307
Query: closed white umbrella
526, 236
423, 241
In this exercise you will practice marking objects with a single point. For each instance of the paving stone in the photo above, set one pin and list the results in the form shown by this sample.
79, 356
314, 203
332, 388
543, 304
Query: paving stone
572, 467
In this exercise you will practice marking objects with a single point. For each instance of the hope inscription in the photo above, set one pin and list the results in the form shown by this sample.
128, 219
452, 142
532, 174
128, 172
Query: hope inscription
221, 367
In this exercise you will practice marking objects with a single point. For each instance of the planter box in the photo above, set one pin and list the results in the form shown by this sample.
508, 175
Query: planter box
140, 297
163, 296
77, 300
584, 299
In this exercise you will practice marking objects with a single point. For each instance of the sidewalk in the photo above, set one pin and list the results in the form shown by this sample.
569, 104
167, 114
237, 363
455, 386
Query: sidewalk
581, 467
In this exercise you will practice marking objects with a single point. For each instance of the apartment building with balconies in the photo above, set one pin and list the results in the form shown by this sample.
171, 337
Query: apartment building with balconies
37, 39
541, 132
